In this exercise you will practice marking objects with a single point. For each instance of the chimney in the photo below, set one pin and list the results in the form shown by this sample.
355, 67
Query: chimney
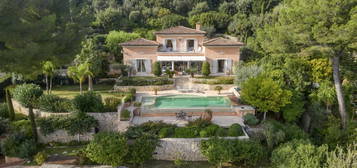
198, 26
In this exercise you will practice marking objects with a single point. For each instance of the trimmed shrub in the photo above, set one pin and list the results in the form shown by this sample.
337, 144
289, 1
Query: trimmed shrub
129, 98
40, 158
221, 132
137, 104
206, 69
53, 103
125, 115
156, 70
88, 102
209, 131
185, 132
199, 123
166, 132
75, 124
19, 145
235, 130
111, 104
142, 150
250, 119
108, 149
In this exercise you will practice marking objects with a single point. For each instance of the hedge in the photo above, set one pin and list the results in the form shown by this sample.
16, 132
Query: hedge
143, 81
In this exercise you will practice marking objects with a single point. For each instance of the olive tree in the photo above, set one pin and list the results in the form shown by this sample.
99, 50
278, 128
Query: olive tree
27, 95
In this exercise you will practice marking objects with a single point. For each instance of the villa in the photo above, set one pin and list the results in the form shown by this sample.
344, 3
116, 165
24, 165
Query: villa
179, 48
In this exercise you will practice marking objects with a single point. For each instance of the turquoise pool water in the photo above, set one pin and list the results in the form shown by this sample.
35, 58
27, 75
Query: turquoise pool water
184, 101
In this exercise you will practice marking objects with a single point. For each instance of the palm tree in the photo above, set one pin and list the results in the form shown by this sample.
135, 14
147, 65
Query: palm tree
79, 73
48, 68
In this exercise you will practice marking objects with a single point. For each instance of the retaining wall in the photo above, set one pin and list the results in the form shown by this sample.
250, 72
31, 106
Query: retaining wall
144, 88
187, 149
63, 137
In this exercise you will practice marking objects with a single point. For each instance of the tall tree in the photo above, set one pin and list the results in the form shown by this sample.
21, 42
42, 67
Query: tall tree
38, 30
79, 73
328, 27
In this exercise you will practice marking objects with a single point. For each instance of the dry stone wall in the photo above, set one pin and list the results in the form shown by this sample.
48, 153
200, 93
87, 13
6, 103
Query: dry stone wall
63, 137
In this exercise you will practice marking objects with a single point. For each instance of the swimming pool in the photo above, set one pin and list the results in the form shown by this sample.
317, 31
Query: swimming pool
186, 101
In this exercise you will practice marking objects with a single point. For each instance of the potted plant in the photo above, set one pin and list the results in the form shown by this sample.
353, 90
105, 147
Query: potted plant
218, 88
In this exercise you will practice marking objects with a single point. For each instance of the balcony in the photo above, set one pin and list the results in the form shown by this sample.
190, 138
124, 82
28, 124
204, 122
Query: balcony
171, 50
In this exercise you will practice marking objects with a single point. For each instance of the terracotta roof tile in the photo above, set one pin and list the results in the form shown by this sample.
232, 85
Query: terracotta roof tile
180, 30
220, 41
140, 42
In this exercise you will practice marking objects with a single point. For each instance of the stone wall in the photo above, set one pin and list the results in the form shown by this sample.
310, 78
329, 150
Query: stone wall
63, 137
187, 149
144, 88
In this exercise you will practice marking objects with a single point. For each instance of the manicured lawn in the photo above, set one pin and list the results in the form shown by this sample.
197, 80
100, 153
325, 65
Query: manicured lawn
70, 91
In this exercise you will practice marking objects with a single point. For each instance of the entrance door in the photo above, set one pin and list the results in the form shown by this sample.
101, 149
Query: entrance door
221, 66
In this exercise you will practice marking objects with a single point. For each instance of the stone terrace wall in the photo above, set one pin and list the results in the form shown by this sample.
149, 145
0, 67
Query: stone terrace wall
108, 121
63, 137
144, 88
183, 148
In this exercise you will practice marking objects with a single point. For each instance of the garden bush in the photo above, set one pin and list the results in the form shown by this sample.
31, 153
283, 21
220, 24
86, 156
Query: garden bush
40, 158
142, 149
108, 149
299, 154
166, 132
4, 112
250, 119
111, 104
125, 115
19, 145
88, 102
206, 69
156, 69
221, 132
199, 123
235, 130
147, 128
137, 104
53, 103
212, 80
238, 152
23, 126
4, 126
143, 81
78, 123
209, 131
186, 132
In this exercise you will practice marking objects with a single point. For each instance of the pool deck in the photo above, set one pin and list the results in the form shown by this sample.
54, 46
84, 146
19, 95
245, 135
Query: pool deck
224, 121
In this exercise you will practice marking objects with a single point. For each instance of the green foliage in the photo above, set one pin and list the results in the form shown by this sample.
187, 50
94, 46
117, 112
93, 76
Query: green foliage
199, 123
80, 72
206, 68
292, 111
157, 69
147, 128
321, 69
219, 80
238, 152
265, 94
340, 157
209, 131
88, 102
4, 112
166, 132
129, 98
235, 130
40, 158
143, 81
245, 72
299, 154
53, 103
137, 104
22, 126
19, 145
111, 104
4, 126
169, 73
108, 149
125, 115
114, 38
10, 106
250, 119
75, 124
142, 150
27, 94
218, 88
212, 18
186, 132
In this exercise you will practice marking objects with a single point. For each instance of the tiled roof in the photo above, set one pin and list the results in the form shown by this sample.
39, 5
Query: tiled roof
140, 42
180, 30
220, 41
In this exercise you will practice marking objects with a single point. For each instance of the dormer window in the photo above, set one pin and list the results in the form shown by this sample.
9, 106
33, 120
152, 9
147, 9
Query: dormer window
190, 45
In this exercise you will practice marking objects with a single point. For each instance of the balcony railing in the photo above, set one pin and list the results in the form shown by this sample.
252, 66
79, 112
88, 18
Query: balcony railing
171, 50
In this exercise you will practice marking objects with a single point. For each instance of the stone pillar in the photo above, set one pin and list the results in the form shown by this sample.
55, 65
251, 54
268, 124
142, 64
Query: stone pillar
188, 64
172, 65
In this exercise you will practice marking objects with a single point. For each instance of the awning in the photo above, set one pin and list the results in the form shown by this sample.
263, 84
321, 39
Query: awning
181, 58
